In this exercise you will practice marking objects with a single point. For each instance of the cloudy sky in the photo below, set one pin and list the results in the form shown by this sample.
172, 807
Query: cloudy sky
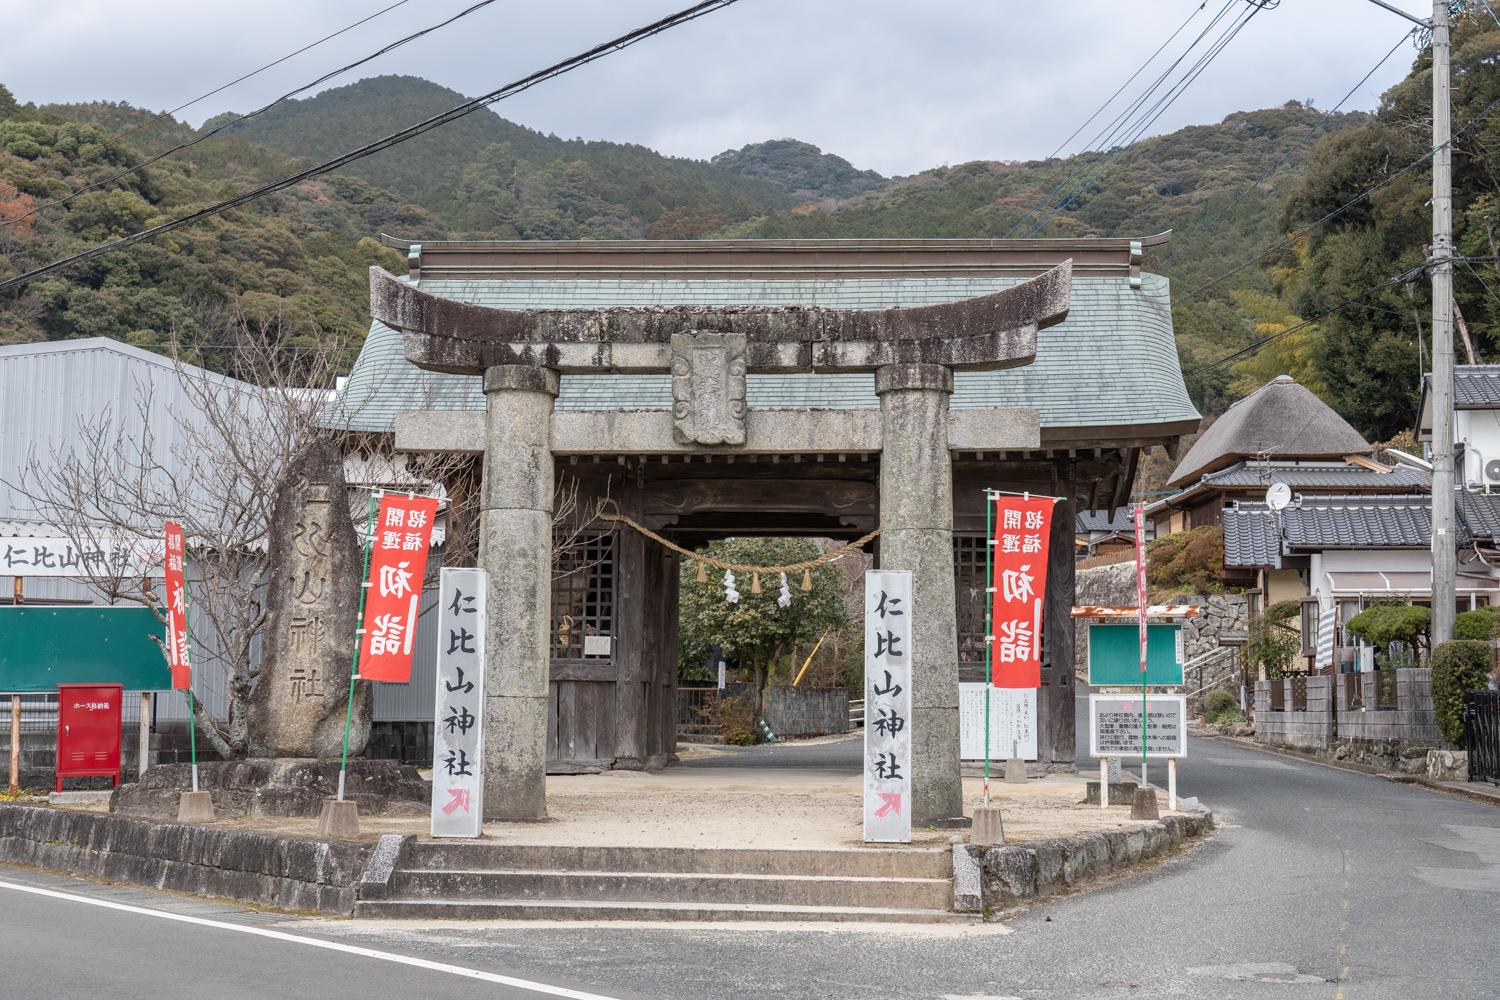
893, 85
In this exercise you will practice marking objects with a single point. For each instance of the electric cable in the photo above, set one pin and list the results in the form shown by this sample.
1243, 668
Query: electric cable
248, 115
237, 80
395, 138
1152, 115
1287, 155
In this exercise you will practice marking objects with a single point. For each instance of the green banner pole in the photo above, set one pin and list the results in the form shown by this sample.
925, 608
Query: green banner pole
989, 627
359, 631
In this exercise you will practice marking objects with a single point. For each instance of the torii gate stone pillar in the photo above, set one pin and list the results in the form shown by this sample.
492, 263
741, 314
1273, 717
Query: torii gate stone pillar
515, 544
916, 533
708, 350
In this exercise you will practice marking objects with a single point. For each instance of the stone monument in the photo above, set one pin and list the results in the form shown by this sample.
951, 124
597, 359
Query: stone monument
297, 706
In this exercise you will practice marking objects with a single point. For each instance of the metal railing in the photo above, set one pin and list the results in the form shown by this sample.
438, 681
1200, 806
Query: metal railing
1481, 718
857, 714
692, 701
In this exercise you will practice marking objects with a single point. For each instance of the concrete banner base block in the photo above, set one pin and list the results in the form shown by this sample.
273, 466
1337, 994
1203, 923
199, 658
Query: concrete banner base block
1143, 806
1015, 771
988, 831
195, 807
339, 819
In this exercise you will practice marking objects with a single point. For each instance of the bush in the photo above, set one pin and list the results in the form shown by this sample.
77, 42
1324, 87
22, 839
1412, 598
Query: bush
1458, 667
1273, 643
1384, 624
735, 719
1476, 624
1187, 562
1218, 701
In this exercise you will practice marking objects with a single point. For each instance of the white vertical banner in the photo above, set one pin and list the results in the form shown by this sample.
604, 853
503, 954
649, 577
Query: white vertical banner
458, 737
888, 655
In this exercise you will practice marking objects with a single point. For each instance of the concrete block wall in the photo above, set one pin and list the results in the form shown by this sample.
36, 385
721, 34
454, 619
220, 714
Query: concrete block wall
1309, 729
1412, 722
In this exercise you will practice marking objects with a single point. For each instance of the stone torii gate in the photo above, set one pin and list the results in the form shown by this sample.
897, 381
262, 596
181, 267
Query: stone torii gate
708, 351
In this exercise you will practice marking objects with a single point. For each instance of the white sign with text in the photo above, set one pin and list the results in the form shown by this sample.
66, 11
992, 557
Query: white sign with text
1115, 725
1012, 722
97, 560
888, 653
458, 737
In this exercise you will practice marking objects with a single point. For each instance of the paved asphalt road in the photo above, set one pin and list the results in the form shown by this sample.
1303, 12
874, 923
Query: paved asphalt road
1322, 884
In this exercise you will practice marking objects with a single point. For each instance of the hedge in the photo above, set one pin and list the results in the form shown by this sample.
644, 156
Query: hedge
1458, 667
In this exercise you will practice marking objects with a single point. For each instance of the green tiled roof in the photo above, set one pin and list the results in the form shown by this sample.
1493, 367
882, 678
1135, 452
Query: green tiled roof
1111, 363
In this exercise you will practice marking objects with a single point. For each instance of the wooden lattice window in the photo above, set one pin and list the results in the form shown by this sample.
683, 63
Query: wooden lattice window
583, 597
970, 554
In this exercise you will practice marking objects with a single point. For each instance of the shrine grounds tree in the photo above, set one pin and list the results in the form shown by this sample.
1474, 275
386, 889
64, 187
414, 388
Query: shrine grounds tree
217, 466
756, 630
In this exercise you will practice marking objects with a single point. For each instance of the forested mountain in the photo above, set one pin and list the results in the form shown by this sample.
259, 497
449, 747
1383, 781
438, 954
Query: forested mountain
799, 168
485, 176
1228, 190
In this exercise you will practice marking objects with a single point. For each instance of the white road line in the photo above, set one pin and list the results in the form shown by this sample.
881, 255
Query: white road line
311, 942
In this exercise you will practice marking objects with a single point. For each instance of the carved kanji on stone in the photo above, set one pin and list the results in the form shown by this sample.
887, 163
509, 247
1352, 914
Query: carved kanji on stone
708, 387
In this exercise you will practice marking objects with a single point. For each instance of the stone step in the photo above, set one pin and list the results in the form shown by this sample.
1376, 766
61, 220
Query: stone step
565, 909
677, 887
853, 862
702, 739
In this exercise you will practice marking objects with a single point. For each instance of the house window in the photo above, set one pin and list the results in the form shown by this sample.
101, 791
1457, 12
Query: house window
583, 593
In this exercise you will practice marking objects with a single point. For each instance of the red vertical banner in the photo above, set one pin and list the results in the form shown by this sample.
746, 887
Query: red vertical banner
399, 540
1019, 581
1140, 580
177, 627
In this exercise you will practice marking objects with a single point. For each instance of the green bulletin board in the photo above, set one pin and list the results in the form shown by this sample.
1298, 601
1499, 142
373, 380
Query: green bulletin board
42, 647
1115, 655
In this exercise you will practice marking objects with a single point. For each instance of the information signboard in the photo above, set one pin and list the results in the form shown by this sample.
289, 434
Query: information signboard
1115, 655
1012, 722
1115, 725
43, 647
888, 653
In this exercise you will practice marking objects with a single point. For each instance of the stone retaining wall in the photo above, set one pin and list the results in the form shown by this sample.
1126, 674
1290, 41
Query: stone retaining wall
285, 872
1012, 875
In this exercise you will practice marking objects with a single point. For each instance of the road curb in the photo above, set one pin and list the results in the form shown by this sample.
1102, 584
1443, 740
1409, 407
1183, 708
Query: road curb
1474, 795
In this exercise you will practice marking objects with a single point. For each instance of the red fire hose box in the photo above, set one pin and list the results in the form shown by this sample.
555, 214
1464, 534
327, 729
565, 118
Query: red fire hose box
88, 731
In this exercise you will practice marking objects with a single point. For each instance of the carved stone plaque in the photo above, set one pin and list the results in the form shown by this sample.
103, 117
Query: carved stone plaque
297, 704
708, 388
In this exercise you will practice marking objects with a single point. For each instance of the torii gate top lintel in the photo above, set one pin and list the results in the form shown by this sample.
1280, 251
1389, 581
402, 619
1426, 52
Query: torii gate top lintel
985, 332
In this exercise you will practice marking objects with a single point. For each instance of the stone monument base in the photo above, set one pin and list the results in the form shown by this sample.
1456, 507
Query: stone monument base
276, 787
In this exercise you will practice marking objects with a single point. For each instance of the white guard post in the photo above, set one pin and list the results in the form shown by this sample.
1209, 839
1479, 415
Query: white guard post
888, 656
1103, 782
458, 736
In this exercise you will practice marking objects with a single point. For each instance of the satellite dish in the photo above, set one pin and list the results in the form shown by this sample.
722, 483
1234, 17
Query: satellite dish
1278, 496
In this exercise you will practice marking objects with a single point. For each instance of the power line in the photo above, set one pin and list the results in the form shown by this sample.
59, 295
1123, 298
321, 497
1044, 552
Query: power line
411, 131
1104, 138
252, 114
1288, 155
1152, 114
1152, 58
240, 79
1296, 234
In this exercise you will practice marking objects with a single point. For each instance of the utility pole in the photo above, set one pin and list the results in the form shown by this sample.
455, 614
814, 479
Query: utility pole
1444, 535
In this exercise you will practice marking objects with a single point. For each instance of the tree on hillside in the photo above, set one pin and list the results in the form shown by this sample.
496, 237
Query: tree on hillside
755, 630
1369, 354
